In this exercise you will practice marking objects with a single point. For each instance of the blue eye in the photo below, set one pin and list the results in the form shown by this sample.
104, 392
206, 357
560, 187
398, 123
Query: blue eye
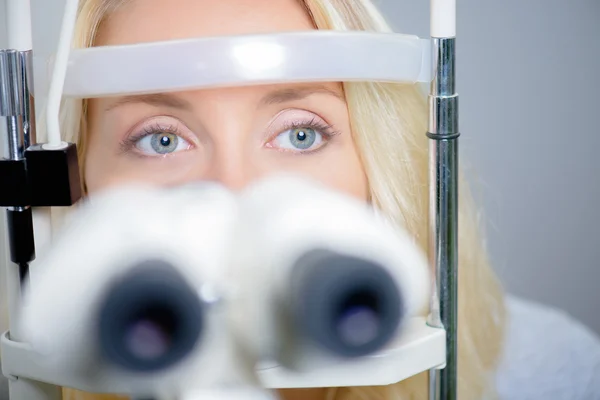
161, 143
299, 139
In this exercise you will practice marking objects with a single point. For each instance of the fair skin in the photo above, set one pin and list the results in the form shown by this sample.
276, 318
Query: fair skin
229, 135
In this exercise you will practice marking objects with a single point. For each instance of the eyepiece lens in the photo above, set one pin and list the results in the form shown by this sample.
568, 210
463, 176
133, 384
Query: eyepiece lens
150, 319
150, 335
358, 321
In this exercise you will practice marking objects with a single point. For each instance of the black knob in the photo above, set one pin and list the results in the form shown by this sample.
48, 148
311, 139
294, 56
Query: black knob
150, 319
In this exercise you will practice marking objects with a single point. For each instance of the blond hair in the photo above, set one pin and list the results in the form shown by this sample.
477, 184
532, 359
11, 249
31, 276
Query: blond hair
389, 122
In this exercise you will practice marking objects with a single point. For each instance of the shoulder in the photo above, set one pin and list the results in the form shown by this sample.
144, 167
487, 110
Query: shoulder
547, 355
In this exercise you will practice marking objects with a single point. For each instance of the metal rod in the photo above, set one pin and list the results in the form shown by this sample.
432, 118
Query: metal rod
27, 96
17, 129
12, 102
15, 111
16, 100
443, 133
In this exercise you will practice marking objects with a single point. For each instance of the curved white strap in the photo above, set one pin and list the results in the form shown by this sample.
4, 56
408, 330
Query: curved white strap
247, 60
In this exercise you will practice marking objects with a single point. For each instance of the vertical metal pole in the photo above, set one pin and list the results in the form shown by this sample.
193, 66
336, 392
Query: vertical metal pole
17, 125
443, 212
15, 110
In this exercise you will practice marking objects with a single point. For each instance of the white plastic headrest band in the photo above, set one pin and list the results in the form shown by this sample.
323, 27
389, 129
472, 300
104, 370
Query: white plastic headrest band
198, 63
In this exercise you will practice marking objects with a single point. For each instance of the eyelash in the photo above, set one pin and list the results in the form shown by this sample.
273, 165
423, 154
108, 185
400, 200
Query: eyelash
325, 129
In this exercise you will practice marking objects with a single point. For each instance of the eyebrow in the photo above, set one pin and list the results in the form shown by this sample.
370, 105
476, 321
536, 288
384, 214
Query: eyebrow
172, 101
290, 94
156, 99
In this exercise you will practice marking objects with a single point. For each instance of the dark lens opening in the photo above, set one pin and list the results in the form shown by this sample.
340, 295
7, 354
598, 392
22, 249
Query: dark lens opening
150, 334
358, 318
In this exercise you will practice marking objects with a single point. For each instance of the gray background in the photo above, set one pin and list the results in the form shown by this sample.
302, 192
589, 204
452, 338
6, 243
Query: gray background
528, 81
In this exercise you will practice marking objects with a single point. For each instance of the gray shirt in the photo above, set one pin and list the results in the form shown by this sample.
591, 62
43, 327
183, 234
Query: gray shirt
548, 356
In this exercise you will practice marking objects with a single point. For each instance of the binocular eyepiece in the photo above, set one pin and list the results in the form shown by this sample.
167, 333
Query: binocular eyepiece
348, 306
304, 277
150, 319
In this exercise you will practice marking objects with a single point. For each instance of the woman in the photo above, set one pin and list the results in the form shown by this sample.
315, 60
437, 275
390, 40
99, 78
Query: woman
365, 139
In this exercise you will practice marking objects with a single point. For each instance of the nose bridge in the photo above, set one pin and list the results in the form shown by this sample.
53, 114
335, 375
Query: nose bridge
228, 118
232, 165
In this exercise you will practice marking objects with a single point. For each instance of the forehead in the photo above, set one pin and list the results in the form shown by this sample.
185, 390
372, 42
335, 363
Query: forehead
139, 21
